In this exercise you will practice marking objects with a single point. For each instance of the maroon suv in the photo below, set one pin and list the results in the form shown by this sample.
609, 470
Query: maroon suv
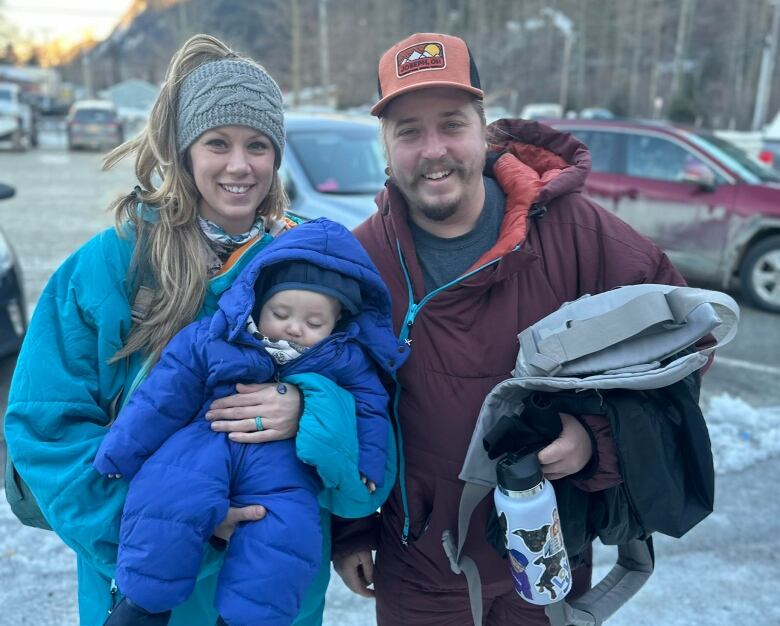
712, 209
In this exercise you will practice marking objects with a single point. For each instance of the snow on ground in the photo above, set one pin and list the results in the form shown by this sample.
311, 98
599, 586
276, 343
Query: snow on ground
698, 586
740, 434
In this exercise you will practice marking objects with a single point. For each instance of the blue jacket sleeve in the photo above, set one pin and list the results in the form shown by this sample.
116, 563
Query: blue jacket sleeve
165, 401
371, 404
327, 439
60, 399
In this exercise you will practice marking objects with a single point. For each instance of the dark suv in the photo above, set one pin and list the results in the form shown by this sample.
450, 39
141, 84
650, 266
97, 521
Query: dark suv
710, 207
93, 124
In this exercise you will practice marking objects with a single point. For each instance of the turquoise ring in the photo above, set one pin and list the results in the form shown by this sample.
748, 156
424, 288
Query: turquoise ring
259, 423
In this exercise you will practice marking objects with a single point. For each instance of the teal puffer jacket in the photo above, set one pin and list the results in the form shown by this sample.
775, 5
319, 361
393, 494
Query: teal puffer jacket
60, 404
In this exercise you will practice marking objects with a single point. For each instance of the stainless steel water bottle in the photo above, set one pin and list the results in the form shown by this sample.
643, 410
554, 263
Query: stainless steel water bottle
528, 516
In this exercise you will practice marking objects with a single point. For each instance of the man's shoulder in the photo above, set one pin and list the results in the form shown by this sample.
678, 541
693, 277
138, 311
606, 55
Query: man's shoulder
371, 232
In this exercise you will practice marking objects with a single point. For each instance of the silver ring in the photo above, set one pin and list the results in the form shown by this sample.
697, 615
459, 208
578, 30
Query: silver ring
259, 423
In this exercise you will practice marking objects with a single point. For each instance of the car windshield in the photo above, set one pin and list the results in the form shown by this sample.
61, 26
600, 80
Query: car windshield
736, 159
340, 161
92, 116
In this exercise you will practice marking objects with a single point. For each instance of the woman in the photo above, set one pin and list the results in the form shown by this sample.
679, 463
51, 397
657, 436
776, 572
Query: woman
209, 199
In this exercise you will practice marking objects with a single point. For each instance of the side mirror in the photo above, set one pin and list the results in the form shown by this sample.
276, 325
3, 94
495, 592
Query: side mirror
699, 174
289, 188
6, 191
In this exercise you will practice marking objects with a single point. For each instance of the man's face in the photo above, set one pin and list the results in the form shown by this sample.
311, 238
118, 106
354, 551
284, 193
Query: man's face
436, 147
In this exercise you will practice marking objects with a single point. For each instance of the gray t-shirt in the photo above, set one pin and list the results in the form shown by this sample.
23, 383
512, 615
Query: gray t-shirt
443, 260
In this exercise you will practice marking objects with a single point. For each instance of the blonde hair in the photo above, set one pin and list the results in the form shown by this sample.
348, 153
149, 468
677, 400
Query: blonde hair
170, 253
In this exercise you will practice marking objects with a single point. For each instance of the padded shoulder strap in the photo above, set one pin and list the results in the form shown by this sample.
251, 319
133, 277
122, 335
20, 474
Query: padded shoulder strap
596, 333
653, 309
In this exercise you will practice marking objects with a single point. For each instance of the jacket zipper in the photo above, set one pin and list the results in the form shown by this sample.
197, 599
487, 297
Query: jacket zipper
406, 330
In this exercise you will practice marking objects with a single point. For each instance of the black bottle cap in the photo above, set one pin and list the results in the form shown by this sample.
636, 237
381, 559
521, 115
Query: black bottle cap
519, 473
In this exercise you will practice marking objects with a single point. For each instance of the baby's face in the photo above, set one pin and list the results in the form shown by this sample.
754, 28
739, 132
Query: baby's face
304, 317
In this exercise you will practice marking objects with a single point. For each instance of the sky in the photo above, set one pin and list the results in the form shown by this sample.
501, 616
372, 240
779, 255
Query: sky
46, 20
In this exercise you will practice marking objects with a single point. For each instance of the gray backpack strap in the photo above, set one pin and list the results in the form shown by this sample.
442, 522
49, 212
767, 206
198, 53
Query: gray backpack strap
683, 301
591, 335
142, 304
634, 566
472, 495
646, 311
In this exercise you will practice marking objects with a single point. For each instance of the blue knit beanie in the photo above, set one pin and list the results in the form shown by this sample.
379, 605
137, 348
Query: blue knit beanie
229, 92
308, 277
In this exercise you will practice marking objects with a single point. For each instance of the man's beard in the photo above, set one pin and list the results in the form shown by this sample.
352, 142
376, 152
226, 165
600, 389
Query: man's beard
436, 211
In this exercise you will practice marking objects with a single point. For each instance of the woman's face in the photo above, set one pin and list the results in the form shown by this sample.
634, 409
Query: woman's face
233, 167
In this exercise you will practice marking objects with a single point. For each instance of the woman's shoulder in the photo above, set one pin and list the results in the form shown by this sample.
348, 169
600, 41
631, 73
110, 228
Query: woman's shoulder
108, 246
96, 269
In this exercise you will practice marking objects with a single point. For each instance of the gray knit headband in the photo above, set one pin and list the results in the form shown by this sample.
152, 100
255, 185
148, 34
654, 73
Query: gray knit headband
226, 92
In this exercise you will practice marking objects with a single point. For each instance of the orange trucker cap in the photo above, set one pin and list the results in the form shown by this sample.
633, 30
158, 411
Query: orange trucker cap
426, 60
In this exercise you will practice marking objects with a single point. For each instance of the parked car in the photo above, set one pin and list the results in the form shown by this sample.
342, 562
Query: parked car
17, 118
13, 312
714, 210
333, 166
93, 124
541, 111
596, 113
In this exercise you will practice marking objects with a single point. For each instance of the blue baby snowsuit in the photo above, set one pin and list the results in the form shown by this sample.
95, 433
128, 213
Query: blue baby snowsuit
185, 476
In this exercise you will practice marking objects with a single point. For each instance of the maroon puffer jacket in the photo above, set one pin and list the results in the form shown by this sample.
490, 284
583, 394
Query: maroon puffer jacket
464, 340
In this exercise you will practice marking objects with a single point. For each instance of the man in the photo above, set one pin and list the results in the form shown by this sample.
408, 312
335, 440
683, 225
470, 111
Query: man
471, 259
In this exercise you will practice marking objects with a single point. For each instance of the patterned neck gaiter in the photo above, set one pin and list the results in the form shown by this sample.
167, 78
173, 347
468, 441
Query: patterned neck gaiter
224, 244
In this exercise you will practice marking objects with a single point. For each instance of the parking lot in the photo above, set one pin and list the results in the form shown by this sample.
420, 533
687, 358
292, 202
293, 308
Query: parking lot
60, 202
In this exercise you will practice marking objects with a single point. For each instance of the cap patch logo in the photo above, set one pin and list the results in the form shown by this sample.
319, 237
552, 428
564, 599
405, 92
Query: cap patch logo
423, 56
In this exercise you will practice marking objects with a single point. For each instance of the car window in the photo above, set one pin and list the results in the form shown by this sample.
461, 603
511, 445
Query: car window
656, 158
603, 149
736, 158
94, 116
342, 161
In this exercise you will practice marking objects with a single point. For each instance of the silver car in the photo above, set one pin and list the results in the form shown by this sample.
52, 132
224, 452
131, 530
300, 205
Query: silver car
13, 312
333, 166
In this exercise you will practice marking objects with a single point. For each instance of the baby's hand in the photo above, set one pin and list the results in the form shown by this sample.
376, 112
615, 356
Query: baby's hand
370, 484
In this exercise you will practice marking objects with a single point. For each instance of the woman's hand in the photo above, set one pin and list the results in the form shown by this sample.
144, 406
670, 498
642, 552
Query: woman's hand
237, 515
277, 405
569, 453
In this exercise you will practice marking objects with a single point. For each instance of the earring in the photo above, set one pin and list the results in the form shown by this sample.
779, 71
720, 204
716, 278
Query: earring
388, 171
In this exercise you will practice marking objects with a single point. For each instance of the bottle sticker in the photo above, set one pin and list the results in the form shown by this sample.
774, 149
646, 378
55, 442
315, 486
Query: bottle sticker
533, 539
550, 568
555, 576
522, 584
555, 540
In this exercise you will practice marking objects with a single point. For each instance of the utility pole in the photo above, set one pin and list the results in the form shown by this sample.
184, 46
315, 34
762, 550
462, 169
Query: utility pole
767, 69
86, 72
566, 27
563, 96
324, 52
680, 45
296, 51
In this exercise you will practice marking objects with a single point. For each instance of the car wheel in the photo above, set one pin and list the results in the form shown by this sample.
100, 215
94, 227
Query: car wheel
759, 274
